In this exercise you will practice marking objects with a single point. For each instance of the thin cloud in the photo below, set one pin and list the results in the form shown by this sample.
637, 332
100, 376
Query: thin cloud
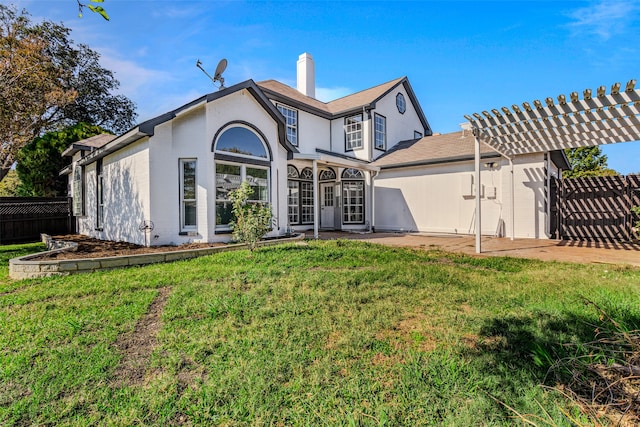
134, 78
326, 94
604, 19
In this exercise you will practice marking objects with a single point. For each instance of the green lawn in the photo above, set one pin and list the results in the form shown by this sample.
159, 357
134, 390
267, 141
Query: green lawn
324, 333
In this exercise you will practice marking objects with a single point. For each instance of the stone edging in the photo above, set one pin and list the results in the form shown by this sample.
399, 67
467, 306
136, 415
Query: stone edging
25, 268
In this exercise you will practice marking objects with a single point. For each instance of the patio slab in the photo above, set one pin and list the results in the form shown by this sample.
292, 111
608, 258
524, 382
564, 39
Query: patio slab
542, 249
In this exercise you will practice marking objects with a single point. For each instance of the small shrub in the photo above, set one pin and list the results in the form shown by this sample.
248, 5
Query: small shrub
251, 220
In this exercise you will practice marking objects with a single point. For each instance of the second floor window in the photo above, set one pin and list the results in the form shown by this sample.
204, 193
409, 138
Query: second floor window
353, 132
380, 132
291, 117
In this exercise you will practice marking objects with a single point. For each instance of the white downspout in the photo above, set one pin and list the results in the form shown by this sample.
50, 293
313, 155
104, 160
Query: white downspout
316, 200
373, 200
548, 197
478, 190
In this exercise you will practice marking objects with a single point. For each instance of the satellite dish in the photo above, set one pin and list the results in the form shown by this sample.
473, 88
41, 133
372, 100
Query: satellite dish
217, 77
222, 65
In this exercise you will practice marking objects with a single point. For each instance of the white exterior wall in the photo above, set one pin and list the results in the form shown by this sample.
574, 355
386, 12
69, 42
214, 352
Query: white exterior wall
191, 136
436, 198
126, 195
313, 132
400, 127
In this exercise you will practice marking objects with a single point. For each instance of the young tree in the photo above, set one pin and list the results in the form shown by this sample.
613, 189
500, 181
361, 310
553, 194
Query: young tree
40, 161
587, 161
252, 220
46, 82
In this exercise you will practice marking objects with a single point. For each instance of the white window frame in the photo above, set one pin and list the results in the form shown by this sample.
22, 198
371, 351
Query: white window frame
243, 178
353, 132
183, 201
291, 120
99, 195
380, 132
78, 190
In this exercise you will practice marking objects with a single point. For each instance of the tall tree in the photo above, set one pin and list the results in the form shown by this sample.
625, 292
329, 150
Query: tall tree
47, 82
587, 161
40, 161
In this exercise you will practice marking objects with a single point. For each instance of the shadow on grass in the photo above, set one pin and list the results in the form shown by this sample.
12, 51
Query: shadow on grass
549, 349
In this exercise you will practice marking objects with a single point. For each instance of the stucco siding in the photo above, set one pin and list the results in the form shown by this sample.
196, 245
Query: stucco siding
400, 127
434, 199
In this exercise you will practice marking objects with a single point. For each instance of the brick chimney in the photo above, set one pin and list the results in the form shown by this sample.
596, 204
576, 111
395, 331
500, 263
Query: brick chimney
306, 75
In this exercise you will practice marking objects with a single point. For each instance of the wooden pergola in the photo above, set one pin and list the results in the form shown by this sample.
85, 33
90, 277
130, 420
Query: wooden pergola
595, 119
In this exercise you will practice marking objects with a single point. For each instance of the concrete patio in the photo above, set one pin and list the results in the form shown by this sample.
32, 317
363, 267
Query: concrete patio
546, 250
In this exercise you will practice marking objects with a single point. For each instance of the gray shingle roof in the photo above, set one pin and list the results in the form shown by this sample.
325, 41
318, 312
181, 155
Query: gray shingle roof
437, 148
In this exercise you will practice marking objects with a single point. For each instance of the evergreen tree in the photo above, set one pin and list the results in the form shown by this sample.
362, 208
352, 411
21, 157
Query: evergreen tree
40, 161
587, 161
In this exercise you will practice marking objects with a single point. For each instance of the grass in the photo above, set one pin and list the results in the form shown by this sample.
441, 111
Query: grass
323, 333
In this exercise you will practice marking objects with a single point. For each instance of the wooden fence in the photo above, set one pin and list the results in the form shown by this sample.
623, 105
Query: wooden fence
22, 219
595, 208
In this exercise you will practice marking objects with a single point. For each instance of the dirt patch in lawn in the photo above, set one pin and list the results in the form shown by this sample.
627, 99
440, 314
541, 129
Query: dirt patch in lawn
136, 346
95, 248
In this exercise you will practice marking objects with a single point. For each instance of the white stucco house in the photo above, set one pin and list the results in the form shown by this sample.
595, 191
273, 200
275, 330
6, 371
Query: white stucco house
362, 162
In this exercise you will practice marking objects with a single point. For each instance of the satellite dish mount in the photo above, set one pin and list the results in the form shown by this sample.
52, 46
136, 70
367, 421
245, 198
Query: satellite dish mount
217, 76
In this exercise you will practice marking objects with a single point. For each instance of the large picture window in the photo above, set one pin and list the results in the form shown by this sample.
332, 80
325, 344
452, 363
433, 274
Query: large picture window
380, 133
291, 118
188, 205
353, 132
240, 156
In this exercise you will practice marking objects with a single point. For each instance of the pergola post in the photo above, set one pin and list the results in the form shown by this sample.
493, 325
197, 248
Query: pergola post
513, 201
316, 200
478, 189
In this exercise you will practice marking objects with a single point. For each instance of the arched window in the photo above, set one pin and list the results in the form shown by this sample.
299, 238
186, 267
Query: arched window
307, 173
352, 173
241, 141
300, 195
352, 196
327, 175
292, 172
240, 155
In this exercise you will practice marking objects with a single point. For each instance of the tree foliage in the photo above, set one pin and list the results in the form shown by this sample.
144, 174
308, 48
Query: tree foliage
47, 82
93, 8
252, 220
587, 161
40, 161
9, 185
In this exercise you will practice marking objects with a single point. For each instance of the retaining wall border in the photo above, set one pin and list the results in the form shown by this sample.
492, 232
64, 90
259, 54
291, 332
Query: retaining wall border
26, 268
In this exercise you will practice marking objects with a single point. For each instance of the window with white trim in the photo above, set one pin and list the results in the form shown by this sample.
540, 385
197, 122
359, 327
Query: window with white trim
240, 155
188, 204
353, 132
300, 195
380, 132
78, 191
99, 195
352, 196
291, 119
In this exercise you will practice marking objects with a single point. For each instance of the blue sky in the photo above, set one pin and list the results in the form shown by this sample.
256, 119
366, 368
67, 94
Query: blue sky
460, 57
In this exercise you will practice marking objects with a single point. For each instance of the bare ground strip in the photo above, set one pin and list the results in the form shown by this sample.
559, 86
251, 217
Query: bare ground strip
136, 346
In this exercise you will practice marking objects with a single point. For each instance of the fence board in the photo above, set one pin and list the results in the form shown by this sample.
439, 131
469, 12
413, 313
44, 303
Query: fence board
596, 208
22, 219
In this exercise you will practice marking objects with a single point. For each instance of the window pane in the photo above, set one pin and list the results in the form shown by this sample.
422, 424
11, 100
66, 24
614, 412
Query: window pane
189, 214
257, 179
239, 140
306, 189
293, 201
353, 202
189, 180
227, 179
224, 213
